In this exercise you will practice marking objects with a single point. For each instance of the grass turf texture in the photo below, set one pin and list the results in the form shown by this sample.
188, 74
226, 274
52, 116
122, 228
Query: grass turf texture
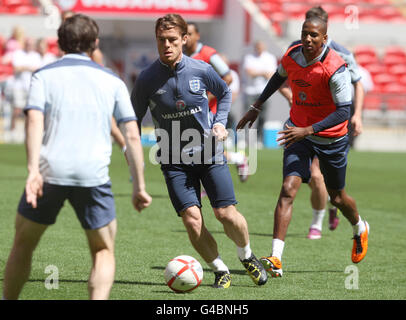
313, 269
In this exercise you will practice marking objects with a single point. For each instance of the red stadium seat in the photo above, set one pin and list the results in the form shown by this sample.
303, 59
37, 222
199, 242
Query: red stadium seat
365, 51
395, 51
384, 79
396, 103
388, 12
53, 46
366, 59
2, 43
6, 70
24, 10
390, 60
376, 69
373, 101
398, 70
402, 79
394, 88
20, 7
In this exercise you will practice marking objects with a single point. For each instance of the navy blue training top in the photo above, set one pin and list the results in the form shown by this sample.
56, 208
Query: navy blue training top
178, 101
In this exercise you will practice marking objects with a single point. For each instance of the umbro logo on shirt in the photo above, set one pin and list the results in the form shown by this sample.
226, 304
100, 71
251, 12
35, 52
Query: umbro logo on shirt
301, 83
160, 91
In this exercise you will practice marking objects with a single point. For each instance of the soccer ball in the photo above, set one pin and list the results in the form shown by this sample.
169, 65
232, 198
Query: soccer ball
183, 274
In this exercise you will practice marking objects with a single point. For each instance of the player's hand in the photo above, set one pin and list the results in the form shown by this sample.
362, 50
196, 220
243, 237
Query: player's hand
290, 135
141, 200
356, 124
220, 132
249, 117
33, 188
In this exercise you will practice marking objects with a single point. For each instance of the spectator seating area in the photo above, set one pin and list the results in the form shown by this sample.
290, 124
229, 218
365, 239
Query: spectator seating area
388, 72
387, 68
367, 10
6, 69
18, 7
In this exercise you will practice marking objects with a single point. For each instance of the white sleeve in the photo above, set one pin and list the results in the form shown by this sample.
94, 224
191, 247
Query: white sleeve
340, 87
36, 96
123, 109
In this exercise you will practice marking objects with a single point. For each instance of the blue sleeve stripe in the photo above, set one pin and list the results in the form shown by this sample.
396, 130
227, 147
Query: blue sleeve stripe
32, 108
343, 104
356, 80
126, 119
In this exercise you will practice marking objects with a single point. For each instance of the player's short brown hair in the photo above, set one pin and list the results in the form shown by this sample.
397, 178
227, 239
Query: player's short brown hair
78, 34
170, 21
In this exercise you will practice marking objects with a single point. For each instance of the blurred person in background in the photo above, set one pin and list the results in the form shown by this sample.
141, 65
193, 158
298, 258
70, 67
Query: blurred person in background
25, 61
258, 67
46, 56
14, 43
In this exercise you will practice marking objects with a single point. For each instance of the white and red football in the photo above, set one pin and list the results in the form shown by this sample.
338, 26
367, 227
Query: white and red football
183, 274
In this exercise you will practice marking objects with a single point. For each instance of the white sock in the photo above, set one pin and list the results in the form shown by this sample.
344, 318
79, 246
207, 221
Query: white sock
236, 157
358, 228
245, 252
218, 265
317, 222
277, 248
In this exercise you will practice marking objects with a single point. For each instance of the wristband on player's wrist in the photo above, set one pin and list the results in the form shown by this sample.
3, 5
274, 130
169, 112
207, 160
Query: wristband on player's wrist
252, 107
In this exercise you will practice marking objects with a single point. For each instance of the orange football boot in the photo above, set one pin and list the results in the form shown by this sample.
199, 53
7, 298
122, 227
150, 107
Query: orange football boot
273, 265
360, 245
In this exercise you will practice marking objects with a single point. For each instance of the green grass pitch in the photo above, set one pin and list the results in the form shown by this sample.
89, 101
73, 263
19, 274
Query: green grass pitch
313, 269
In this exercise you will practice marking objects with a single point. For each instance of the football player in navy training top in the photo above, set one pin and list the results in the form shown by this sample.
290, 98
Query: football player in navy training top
190, 149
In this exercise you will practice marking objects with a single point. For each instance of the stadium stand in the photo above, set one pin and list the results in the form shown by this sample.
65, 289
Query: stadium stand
387, 65
367, 10
19, 7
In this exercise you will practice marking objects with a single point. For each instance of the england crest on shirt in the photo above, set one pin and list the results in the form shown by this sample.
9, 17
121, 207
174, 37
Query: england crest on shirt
194, 85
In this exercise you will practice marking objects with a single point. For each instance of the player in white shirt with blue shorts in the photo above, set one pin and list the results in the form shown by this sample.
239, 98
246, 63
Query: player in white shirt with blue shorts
69, 111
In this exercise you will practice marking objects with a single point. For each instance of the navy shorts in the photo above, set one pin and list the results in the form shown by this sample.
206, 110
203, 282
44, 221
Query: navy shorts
183, 183
298, 157
94, 206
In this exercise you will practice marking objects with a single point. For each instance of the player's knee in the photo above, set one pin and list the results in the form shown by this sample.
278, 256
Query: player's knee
317, 178
225, 214
336, 200
288, 192
193, 221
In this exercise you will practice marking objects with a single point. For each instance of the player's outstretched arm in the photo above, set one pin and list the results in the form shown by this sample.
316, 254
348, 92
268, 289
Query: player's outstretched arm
135, 157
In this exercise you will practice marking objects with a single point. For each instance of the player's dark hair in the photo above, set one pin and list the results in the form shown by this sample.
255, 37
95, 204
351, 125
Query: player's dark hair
78, 34
194, 24
317, 12
170, 21
319, 21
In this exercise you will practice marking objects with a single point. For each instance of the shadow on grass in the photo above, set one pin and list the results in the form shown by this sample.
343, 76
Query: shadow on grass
289, 235
154, 196
115, 282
